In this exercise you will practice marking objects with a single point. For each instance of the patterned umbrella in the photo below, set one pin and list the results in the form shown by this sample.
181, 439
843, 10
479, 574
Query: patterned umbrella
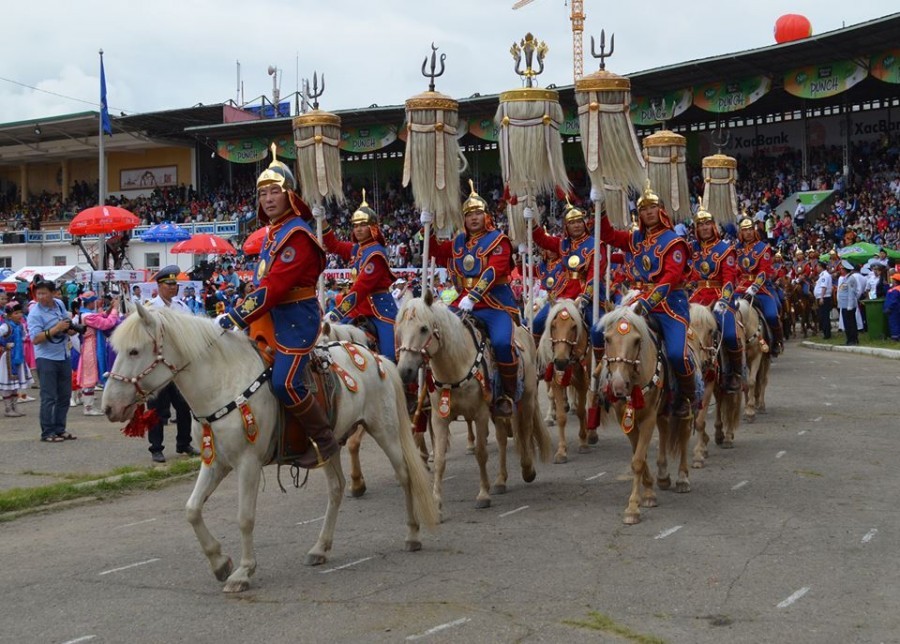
254, 242
165, 233
203, 244
99, 220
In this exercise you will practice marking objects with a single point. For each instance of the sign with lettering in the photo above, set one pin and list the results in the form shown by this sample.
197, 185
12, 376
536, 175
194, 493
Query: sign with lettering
886, 66
649, 111
731, 96
822, 81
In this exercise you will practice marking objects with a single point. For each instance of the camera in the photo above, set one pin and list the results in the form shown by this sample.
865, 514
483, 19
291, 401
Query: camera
78, 328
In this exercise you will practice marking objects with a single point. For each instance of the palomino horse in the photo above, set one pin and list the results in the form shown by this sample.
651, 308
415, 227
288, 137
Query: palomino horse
757, 359
428, 331
634, 376
564, 349
705, 342
214, 369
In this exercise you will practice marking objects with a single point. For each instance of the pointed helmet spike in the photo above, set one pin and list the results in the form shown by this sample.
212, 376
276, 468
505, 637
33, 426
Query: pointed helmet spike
364, 214
474, 201
648, 197
277, 174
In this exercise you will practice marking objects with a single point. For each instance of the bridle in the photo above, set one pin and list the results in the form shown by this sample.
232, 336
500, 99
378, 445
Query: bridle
160, 359
423, 351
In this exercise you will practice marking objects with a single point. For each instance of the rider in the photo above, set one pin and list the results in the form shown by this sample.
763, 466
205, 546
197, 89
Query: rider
660, 263
550, 271
369, 297
290, 263
715, 273
480, 261
755, 261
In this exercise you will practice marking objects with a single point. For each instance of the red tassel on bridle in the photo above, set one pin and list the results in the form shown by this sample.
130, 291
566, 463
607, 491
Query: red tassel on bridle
637, 398
141, 422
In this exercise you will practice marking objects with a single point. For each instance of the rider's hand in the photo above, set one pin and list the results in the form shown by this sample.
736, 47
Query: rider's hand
318, 211
225, 321
595, 194
523, 248
466, 304
425, 218
752, 290
528, 213
720, 307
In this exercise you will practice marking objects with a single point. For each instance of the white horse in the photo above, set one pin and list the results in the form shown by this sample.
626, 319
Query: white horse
758, 361
428, 331
211, 369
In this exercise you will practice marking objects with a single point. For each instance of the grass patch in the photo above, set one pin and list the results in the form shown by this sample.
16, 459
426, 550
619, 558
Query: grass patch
599, 622
837, 338
77, 485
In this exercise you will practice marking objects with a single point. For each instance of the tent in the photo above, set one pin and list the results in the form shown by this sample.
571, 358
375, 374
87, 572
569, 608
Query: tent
54, 273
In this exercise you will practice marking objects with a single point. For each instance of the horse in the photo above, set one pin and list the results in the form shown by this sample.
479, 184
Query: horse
564, 349
757, 359
213, 369
804, 307
704, 339
428, 332
635, 382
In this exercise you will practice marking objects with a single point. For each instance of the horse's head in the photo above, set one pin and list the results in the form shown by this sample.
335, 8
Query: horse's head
703, 337
564, 340
625, 334
141, 367
415, 335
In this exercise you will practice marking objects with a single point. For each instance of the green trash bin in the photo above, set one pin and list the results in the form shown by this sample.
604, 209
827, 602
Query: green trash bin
876, 319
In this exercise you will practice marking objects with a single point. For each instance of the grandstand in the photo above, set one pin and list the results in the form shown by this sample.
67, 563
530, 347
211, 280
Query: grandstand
799, 113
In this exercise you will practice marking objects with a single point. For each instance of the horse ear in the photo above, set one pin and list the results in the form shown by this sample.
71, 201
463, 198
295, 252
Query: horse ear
144, 314
428, 296
326, 328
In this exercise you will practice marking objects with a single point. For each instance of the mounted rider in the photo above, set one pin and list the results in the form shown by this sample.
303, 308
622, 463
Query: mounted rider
369, 298
755, 262
290, 263
714, 275
479, 260
660, 264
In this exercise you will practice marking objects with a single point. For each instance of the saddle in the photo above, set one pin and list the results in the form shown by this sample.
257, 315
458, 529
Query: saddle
479, 332
767, 337
368, 327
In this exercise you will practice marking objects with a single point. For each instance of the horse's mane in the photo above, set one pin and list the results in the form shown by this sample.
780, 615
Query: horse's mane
454, 337
648, 347
702, 319
195, 338
545, 345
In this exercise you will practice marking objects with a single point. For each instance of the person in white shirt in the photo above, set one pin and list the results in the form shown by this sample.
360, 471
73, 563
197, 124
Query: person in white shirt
822, 292
848, 302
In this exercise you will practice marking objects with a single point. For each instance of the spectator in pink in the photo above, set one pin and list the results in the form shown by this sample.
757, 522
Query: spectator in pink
93, 322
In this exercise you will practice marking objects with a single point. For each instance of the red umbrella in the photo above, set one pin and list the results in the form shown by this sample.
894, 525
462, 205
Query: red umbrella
101, 220
254, 242
202, 244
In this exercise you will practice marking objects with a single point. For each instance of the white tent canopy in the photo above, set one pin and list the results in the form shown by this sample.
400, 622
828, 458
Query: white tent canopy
53, 273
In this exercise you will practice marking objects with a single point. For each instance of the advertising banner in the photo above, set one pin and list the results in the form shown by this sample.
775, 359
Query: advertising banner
368, 139
822, 81
484, 129
886, 66
731, 96
242, 150
649, 111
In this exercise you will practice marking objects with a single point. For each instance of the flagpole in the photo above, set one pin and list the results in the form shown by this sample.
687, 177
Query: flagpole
101, 165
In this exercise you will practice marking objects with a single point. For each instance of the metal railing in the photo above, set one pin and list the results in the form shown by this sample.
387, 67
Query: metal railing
224, 229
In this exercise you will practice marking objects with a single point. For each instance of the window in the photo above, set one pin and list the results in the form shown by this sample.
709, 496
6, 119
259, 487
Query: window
59, 260
5, 262
151, 260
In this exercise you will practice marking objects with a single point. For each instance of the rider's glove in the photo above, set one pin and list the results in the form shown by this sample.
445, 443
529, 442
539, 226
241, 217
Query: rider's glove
425, 218
720, 307
528, 213
752, 290
466, 304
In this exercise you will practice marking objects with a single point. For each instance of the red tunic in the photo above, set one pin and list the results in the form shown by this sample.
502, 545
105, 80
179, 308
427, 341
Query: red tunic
373, 273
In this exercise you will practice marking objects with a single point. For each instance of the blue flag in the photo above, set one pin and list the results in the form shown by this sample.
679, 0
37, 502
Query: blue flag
104, 108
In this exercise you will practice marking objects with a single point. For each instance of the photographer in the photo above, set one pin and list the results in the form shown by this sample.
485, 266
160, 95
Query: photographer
49, 327
91, 322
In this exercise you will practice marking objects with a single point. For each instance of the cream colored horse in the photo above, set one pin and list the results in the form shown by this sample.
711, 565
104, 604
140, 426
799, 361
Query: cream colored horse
564, 345
758, 361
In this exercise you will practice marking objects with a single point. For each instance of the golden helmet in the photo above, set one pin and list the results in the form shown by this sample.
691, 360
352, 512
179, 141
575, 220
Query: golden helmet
798, 254
812, 252
747, 224
778, 255
571, 213
277, 174
648, 197
702, 215
364, 214
474, 201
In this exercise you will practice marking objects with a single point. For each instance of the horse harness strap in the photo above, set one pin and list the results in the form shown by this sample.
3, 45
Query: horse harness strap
476, 371
234, 404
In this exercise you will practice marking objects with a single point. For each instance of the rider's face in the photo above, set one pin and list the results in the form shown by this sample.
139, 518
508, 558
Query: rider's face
362, 233
475, 221
649, 215
273, 201
705, 230
575, 228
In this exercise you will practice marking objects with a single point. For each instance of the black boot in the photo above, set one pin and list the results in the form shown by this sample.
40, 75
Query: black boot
734, 375
777, 339
686, 395
509, 375
314, 421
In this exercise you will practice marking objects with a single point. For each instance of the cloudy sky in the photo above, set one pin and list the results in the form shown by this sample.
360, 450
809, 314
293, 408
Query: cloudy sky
170, 54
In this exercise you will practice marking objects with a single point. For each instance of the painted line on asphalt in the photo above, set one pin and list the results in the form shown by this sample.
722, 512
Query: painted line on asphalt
738, 486
128, 525
595, 476
815, 420
352, 563
801, 432
506, 514
316, 520
439, 628
780, 454
80, 639
134, 565
794, 597
828, 404
447, 478
867, 537
670, 531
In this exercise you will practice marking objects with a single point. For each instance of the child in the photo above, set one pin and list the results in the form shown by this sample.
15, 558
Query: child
14, 372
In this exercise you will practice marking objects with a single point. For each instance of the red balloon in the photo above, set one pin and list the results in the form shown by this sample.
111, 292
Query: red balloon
791, 27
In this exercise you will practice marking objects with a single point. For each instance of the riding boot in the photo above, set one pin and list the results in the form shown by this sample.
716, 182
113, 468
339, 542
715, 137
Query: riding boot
509, 376
734, 375
314, 421
777, 339
11, 411
686, 395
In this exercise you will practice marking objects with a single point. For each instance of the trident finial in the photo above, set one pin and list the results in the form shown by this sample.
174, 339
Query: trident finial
529, 46
434, 61
603, 55
720, 139
316, 91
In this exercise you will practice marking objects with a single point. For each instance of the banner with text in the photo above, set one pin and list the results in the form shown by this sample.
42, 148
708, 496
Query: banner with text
731, 96
649, 111
822, 81
242, 150
484, 129
367, 139
886, 66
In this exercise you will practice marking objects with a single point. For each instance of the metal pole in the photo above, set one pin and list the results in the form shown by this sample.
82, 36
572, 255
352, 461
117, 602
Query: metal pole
529, 276
426, 243
595, 305
321, 284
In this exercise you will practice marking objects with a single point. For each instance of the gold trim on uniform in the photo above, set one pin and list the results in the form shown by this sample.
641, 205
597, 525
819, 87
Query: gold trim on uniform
550, 281
574, 262
354, 272
469, 262
249, 304
704, 268
645, 262
261, 269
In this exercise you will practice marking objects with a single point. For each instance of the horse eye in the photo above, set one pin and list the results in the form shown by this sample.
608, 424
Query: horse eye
133, 352
423, 329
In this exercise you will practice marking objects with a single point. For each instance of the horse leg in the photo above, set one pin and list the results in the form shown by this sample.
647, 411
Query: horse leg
558, 395
550, 416
640, 474
721, 397
357, 482
207, 482
761, 384
483, 500
248, 472
680, 443
750, 396
581, 413
701, 449
470, 438
527, 427
441, 441
336, 483
663, 480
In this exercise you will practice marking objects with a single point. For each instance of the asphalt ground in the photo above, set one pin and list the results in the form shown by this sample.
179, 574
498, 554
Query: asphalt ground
790, 537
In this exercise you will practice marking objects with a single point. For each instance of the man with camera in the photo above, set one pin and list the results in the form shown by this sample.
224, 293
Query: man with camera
49, 327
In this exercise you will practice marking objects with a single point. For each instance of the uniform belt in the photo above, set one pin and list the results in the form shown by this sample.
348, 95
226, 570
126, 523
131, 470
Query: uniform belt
470, 282
299, 293
709, 284
575, 275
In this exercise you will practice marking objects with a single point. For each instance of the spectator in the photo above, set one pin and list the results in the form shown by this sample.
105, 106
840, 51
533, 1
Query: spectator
14, 373
892, 308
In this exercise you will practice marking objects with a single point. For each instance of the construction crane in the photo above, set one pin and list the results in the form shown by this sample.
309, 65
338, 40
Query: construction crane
576, 15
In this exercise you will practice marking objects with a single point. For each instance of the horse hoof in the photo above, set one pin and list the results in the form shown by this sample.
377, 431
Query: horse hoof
719, 439
593, 439
528, 475
698, 465
683, 487
236, 586
559, 459
664, 483
470, 449
225, 570
584, 449
413, 546
314, 560
498, 489
357, 491
632, 519
727, 445
481, 504
750, 419
650, 502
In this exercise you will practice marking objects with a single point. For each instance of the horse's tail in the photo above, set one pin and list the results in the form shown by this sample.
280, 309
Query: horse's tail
419, 483
680, 430
730, 409
540, 436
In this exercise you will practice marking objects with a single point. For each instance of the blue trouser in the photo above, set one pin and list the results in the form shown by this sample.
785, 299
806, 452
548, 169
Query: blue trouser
769, 308
384, 332
500, 330
296, 326
56, 389
727, 323
287, 377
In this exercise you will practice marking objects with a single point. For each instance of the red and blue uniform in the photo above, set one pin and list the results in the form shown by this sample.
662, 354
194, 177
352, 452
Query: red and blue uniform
713, 276
755, 262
